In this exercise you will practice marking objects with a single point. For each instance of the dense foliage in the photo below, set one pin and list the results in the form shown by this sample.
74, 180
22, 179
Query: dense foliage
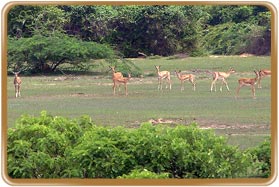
46, 53
262, 161
56, 147
157, 30
75, 34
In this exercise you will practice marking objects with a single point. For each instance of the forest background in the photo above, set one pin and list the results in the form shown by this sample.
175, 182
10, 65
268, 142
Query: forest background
44, 37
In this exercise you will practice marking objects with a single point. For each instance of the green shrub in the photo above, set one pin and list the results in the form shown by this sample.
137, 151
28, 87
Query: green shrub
56, 147
37, 146
261, 159
100, 154
144, 174
234, 38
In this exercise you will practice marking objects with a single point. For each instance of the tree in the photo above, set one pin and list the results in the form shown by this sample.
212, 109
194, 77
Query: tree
49, 20
26, 21
21, 20
157, 29
43, 54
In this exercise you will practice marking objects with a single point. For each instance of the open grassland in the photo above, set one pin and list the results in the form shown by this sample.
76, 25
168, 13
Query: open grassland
245, 120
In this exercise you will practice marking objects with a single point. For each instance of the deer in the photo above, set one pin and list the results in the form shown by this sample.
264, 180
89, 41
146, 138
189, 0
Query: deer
17, 83
121, 80
221, 76
117, 78
161, 76
263, 73
184, 77
248, 82
115, 75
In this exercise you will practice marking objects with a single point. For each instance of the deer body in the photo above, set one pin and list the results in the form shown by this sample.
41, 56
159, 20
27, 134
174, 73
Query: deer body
221, 76
17, 84
263, 73
163, 75
248, 82
118, 79
123, 80
183, 78
115, 76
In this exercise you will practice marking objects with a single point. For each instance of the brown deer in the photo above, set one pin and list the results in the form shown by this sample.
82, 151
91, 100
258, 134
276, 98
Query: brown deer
221, 76
184, 77
17, 84
248, 82
115, 75
118, 79
263, 73
161, 76
123, 80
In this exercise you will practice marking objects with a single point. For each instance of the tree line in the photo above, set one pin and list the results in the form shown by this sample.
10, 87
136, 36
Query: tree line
164, 30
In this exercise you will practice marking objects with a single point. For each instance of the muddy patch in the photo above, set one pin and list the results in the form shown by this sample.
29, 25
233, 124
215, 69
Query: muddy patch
229, 128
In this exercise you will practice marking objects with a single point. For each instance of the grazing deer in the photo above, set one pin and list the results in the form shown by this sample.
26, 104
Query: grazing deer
248, 82
221, 76
17, 84
185, 77
263, 73
161, 76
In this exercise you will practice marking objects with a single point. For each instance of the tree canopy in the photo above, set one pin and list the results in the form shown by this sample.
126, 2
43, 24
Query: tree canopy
47, 53
163, 30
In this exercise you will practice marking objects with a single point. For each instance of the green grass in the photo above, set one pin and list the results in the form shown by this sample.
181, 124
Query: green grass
92, 95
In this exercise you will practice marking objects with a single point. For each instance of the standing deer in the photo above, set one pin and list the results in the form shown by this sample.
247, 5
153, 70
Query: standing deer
115, 75
123, 80
117, 78
184, 77
248, 82
263, 73
17, 84
161, 76
221, 76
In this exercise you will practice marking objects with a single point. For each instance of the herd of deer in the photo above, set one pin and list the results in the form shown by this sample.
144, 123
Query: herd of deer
118, 78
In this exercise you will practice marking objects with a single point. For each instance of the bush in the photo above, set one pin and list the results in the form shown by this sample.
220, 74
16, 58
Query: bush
56, 147
235, 38
44, 54
262, 159
144, 174
37, 146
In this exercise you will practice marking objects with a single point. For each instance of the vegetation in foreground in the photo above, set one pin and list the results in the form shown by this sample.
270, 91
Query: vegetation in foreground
56, 147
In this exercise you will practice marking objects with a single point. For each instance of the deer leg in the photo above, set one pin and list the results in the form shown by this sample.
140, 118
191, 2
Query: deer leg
253, 92
19, 90
159, 84
126, 91
213, 84
193, 84
238, 88
221, 87
181, 86
259, 82
16, 91
226, 84
114, 85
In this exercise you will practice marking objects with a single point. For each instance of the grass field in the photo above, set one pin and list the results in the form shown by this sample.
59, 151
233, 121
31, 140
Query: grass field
245, 121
